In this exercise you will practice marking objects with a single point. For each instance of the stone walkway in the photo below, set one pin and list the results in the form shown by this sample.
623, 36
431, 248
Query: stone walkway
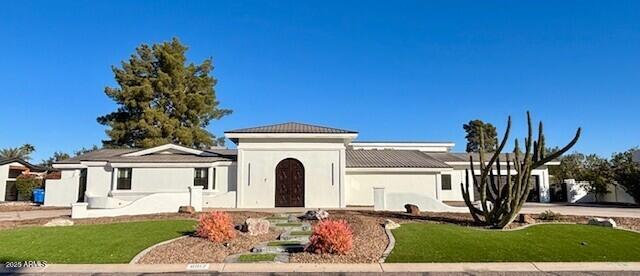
294, 238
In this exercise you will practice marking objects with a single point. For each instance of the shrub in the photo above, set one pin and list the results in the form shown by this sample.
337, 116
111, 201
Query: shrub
549, 215
25, 184
331, 236
216, 227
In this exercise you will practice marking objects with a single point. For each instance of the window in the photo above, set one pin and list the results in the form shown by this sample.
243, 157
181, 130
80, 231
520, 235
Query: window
201, 177
124, 179
14, 173
446, 181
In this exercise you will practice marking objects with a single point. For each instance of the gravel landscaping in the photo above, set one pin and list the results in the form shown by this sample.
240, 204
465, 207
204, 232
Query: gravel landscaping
369, 240
199, 250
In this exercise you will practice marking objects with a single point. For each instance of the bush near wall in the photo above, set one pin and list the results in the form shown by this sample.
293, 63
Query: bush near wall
331, 236
216, 227
25, 185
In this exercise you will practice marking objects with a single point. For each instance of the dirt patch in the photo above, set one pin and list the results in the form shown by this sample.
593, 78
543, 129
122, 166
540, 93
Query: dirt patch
368, 244
238, 217
15, 206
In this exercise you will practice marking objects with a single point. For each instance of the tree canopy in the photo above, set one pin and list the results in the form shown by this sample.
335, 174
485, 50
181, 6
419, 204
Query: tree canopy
627, 173
23, 152
162, 99
473, 136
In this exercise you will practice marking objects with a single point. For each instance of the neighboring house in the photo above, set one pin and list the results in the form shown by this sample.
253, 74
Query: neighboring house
284, 165
10, 169
636, 156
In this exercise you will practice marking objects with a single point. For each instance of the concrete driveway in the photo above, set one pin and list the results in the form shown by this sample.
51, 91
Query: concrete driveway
582, 210
33, 214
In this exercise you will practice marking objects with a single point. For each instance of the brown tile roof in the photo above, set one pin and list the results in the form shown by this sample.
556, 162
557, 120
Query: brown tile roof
291, 127
391, 159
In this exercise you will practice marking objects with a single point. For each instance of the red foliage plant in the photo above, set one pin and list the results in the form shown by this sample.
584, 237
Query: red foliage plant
216, 227
331, 236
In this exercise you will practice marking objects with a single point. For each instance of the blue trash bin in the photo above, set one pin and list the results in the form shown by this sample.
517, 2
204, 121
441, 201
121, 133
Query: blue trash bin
38, 196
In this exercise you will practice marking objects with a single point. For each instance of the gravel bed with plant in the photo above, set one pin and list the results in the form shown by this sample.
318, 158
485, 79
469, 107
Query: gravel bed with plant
369, 241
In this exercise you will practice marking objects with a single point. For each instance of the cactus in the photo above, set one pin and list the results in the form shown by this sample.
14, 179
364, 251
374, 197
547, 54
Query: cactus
501, 199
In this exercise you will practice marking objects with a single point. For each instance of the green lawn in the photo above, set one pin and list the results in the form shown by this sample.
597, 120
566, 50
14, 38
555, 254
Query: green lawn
252, 258
543, 243
104, 243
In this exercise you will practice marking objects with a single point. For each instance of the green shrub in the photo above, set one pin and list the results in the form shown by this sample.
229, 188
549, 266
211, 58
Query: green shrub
549, 215
25, 185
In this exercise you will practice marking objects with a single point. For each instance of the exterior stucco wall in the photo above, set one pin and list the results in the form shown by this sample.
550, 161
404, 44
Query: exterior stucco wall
98, 180
63, 191
359, 185
458, 176
4, 175
322, 160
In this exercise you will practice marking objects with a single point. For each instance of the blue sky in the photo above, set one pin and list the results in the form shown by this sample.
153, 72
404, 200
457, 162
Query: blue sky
413, 70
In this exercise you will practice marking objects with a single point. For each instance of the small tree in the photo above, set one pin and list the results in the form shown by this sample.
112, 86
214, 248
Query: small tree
627, 173
473, 129
598, 174
502, 200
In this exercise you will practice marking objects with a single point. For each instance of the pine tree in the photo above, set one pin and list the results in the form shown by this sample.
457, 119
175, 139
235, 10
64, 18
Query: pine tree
161, 99
473, 136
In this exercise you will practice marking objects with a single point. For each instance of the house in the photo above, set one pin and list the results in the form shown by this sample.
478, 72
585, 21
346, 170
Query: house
282, 165
10, 169
636, 156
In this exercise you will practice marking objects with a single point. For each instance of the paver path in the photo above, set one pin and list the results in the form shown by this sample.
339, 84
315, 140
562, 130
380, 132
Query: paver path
294, 239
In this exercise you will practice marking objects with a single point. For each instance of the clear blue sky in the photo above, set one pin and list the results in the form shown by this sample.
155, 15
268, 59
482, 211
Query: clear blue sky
414, 70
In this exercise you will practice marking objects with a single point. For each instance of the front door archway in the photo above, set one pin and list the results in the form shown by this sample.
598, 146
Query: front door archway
290, 183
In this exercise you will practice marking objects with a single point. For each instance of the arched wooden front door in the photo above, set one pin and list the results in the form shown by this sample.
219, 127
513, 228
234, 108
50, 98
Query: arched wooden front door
290, 183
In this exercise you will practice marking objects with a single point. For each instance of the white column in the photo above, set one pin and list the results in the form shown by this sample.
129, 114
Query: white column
114, 179
195, 197
378, 199
240, 180
438, 185
341, 171
211, 178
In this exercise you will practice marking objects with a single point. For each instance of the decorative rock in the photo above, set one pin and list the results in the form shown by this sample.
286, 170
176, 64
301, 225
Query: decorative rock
59, 222
316, 215
292, 218
390, 224
256, 227
526, 218
187, 210
602, 222
412, 209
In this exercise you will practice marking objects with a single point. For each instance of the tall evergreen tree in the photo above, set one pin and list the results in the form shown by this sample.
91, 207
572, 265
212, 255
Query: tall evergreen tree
473, 136
161, 99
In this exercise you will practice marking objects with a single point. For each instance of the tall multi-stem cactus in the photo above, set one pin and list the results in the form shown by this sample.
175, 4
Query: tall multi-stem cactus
501, 199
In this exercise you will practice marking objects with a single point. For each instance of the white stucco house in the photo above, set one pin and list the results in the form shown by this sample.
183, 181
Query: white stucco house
10, 169
283, 165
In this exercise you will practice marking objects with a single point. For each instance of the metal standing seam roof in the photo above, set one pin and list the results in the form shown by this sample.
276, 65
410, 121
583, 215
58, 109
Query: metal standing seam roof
115, 155
292, 127
391, 159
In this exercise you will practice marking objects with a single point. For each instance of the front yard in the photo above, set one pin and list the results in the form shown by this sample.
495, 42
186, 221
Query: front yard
420, 239
99, 243
424, 242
